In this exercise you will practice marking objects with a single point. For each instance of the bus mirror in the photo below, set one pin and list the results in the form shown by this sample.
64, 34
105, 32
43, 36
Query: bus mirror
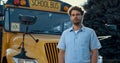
27, 20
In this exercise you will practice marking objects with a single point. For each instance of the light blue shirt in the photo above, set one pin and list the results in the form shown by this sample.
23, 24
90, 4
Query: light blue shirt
78, 45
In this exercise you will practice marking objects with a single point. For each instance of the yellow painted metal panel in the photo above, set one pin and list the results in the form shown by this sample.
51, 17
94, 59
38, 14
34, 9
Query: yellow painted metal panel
45, 5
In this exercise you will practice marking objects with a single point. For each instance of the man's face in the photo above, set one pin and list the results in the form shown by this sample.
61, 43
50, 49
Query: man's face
76, 17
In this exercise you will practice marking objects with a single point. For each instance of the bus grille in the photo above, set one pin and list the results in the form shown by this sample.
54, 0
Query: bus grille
51, 52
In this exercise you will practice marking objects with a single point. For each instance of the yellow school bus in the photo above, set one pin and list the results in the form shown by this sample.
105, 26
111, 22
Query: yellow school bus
31, 30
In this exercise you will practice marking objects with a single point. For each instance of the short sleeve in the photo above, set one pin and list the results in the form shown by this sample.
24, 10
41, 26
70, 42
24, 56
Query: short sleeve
94, 42
61, 43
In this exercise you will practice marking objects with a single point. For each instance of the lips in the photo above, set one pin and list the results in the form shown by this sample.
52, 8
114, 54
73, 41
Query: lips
76, 19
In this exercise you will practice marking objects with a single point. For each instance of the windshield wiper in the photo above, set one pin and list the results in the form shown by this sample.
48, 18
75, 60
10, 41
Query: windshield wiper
45, 32
36, 31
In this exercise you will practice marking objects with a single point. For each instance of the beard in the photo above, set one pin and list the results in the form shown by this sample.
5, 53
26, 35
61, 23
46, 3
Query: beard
76, 23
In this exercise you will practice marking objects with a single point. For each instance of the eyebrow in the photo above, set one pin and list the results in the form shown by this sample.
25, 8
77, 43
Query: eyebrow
76, 14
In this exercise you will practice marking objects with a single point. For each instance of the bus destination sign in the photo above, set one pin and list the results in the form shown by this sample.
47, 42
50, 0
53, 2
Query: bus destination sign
45, 5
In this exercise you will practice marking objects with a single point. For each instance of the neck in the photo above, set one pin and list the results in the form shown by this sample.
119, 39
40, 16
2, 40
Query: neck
77, 27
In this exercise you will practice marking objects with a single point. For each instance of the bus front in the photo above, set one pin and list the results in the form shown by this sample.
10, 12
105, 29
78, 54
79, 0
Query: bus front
33, 31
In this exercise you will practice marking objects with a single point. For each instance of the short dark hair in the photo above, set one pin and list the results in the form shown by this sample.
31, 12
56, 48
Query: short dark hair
80, 9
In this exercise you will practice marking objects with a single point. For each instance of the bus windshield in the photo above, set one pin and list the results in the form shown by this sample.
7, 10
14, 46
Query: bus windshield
46, 22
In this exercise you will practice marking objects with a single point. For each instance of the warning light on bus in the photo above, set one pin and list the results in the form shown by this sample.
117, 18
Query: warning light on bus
23, 2
66, 8
20, 2
16, 2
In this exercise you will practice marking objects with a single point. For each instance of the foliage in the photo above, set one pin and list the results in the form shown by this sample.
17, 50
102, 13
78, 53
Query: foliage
104, 17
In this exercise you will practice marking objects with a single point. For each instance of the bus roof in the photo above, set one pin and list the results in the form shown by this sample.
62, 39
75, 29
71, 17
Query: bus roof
47, 5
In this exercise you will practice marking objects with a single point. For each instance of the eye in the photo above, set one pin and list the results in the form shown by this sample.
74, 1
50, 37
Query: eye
72, 14
75, 14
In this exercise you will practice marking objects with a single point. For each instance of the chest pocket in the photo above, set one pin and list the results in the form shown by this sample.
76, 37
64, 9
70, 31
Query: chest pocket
83, 40
69, 40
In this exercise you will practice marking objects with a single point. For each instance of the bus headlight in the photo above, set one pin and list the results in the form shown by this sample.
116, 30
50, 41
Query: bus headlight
20, 60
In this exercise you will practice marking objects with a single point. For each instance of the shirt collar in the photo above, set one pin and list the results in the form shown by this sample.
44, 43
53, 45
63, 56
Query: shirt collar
82, 29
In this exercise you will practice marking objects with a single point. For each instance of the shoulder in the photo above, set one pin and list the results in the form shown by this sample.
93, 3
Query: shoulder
66, 31
88, 29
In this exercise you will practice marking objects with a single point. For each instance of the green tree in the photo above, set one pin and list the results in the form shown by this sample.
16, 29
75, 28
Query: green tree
104, 17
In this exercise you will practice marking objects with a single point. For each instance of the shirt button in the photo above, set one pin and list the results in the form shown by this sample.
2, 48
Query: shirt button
75, 37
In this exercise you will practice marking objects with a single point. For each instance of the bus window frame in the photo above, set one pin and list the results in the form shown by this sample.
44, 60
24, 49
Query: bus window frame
27, 9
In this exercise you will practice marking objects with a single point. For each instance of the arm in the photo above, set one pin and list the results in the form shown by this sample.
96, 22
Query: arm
94, 56
61, 55
94, 46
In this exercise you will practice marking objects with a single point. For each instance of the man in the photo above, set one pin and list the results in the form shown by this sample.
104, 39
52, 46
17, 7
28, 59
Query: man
78, 44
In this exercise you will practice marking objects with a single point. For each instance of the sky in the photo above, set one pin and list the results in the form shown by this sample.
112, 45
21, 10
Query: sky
75, 2
72, 2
